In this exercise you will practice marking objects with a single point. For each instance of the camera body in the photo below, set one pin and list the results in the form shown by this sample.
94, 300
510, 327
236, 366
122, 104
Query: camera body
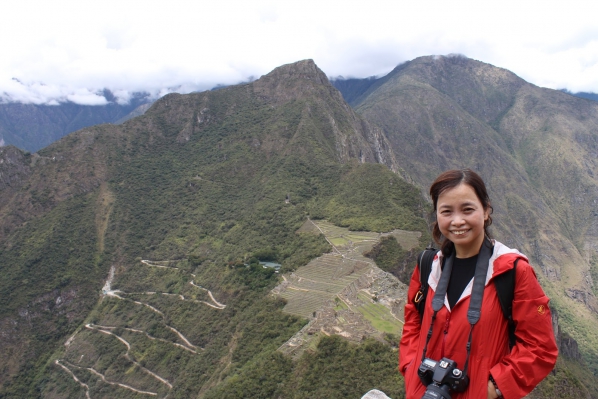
441, 377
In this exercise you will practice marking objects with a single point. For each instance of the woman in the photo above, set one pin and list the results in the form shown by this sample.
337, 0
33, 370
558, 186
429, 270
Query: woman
463, 210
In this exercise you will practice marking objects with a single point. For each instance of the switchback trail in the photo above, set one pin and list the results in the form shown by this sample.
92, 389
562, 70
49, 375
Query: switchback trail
95, 372
85, 386
177, 332
128, 345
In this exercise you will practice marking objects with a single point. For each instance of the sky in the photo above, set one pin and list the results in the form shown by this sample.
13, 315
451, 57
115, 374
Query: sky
65, 50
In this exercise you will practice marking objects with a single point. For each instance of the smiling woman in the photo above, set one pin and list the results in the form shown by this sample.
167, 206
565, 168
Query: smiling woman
462, 212
460, 295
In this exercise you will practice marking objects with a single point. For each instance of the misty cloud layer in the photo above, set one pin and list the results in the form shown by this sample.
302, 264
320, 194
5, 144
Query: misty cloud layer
71, 51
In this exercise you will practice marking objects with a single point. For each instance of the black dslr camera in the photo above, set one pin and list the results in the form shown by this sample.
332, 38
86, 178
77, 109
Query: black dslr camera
441, 378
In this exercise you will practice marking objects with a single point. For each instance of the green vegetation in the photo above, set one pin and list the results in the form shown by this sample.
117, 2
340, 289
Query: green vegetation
390, 256
379, 316
336, 369
45, 266
209, 197
368, 198
594, 273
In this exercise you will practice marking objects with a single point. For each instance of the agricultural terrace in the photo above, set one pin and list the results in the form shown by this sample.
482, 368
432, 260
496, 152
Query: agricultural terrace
343, 292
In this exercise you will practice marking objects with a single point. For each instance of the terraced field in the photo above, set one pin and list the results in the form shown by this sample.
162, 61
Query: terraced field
378, 315
320, 281
343, 292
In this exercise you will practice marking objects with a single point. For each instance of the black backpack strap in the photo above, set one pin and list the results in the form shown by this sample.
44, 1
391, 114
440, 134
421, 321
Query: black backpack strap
424, 262
505, 289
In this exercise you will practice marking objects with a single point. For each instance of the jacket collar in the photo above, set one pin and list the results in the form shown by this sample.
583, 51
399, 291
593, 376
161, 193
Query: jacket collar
502, 259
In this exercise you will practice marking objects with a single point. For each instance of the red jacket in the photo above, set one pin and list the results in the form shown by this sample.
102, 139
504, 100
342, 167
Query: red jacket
517, 371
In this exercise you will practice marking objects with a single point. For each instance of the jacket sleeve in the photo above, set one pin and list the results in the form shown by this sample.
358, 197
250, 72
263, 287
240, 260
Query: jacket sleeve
535, 352
411, 328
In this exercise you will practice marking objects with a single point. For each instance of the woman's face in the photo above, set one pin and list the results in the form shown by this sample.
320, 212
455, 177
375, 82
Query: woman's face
461, 217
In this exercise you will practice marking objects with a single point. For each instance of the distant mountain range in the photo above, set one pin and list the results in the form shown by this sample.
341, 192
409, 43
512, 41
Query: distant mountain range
589, 96
32, 127
130, 253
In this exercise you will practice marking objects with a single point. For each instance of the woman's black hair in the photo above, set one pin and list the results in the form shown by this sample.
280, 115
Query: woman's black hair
451, 179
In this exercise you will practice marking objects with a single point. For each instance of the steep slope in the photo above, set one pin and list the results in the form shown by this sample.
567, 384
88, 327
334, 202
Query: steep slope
533, 146
167, 213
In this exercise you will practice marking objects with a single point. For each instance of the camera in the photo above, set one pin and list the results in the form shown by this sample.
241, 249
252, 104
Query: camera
441, 377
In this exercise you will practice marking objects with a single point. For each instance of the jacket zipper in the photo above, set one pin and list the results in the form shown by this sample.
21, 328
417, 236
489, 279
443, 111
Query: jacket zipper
446, 327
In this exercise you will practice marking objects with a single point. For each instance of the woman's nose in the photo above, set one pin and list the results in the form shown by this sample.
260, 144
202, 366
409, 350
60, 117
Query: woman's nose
457, 220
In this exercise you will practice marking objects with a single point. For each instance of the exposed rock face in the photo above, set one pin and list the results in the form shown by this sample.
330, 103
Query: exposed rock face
293, 81
556, 327
14, 168
353, 137
587, 298
569, 348
567, 345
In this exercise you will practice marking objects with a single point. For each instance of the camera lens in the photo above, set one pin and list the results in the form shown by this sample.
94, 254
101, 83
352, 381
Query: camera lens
437, 392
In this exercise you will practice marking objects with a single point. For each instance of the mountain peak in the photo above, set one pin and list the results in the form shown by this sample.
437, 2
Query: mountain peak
305, 69
298, 79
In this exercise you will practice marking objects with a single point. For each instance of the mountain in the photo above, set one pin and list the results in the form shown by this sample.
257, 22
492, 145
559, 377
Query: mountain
454, 112
32, 127
534, 147
130, 254
198, 188
582, 94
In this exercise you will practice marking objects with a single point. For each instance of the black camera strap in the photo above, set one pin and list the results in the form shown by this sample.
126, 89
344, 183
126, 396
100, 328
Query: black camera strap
477, 293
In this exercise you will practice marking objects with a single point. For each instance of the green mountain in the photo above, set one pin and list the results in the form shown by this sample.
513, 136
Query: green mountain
201, 186
130, 254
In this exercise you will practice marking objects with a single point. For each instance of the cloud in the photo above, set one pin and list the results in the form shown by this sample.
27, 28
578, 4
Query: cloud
85, 97
70, 51
39, 93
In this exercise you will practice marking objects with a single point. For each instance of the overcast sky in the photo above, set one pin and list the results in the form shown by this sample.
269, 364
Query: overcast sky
69, 50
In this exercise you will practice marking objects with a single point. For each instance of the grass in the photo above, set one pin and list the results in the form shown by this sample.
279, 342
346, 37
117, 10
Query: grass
379, 316
337, 241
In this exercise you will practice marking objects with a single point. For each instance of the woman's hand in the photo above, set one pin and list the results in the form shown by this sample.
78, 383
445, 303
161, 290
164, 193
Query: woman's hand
491, 391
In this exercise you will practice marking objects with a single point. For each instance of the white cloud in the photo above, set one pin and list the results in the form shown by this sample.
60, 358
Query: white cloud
85, 97
56, 49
